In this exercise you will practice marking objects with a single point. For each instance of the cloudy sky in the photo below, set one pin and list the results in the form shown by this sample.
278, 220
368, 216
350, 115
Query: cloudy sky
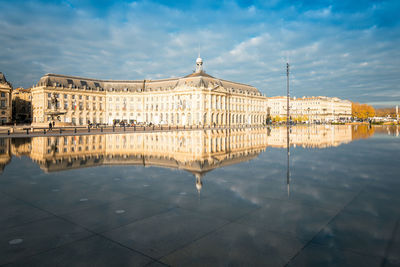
348, 49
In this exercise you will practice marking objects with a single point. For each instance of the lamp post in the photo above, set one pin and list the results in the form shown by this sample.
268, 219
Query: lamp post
287, 132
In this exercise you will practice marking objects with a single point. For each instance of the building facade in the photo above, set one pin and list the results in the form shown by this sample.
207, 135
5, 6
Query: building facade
22, 105
196, 99
5, 100
312, 109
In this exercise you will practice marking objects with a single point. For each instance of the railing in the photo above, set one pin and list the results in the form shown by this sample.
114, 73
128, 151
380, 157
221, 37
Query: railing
84, 130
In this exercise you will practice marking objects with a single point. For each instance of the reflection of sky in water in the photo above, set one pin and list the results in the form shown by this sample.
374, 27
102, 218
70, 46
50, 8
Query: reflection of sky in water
344, 197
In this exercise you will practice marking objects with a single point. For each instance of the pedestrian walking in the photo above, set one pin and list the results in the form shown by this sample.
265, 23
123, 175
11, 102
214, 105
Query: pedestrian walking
50, 125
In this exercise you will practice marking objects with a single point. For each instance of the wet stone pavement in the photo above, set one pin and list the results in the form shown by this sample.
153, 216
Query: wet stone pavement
339, 208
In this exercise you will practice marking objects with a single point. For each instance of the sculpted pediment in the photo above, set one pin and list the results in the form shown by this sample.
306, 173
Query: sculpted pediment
220, 89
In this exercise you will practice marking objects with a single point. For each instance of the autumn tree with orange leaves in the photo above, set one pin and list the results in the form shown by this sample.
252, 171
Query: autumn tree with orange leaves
362, 111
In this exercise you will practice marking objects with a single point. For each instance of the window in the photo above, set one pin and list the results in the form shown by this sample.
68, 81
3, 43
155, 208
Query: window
65, 96
65, 105
87, 97
80, 97
48, 94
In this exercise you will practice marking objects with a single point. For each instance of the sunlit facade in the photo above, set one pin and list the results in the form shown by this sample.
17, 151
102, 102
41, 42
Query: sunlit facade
22, 105
5, 100
312, 109
196, 99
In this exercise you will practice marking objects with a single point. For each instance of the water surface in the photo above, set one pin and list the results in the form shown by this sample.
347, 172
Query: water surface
215, 197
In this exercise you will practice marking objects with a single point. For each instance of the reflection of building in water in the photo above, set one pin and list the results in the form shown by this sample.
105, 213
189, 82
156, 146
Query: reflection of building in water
318, 136
20, 147
197, 151
5, 153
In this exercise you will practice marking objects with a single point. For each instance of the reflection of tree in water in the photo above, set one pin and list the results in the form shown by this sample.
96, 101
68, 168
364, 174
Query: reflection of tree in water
387, 129
362, 132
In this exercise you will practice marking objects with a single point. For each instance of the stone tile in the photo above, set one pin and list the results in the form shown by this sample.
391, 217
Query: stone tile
229, 208
315, 255
158, 235
376, 204
94, 251
156, 264
393, 248
391, 263
15, 212
359, 233
33, 190
39, 236
225, 207
237, 245
313, 195
61, 201
121, 212
299, 220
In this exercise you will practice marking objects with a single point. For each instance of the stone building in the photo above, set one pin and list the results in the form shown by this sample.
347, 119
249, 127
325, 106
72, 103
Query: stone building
196, 99
22, 105
312, 109
5, 100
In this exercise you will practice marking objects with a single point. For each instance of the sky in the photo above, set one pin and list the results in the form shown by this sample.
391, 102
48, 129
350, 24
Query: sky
347, 49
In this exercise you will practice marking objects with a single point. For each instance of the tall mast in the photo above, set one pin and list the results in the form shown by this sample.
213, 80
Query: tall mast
288, 132
288, 92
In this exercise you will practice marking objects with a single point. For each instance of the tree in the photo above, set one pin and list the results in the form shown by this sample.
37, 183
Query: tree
385, 112
362, 111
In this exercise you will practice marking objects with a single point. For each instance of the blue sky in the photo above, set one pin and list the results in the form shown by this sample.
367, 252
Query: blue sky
348, 49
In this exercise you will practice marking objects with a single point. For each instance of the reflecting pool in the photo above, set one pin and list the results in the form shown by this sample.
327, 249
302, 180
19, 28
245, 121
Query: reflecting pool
273, 196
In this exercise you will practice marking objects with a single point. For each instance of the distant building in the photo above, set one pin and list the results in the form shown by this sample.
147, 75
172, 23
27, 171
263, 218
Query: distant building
5, 100
196, 99
22, 105
313, 109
